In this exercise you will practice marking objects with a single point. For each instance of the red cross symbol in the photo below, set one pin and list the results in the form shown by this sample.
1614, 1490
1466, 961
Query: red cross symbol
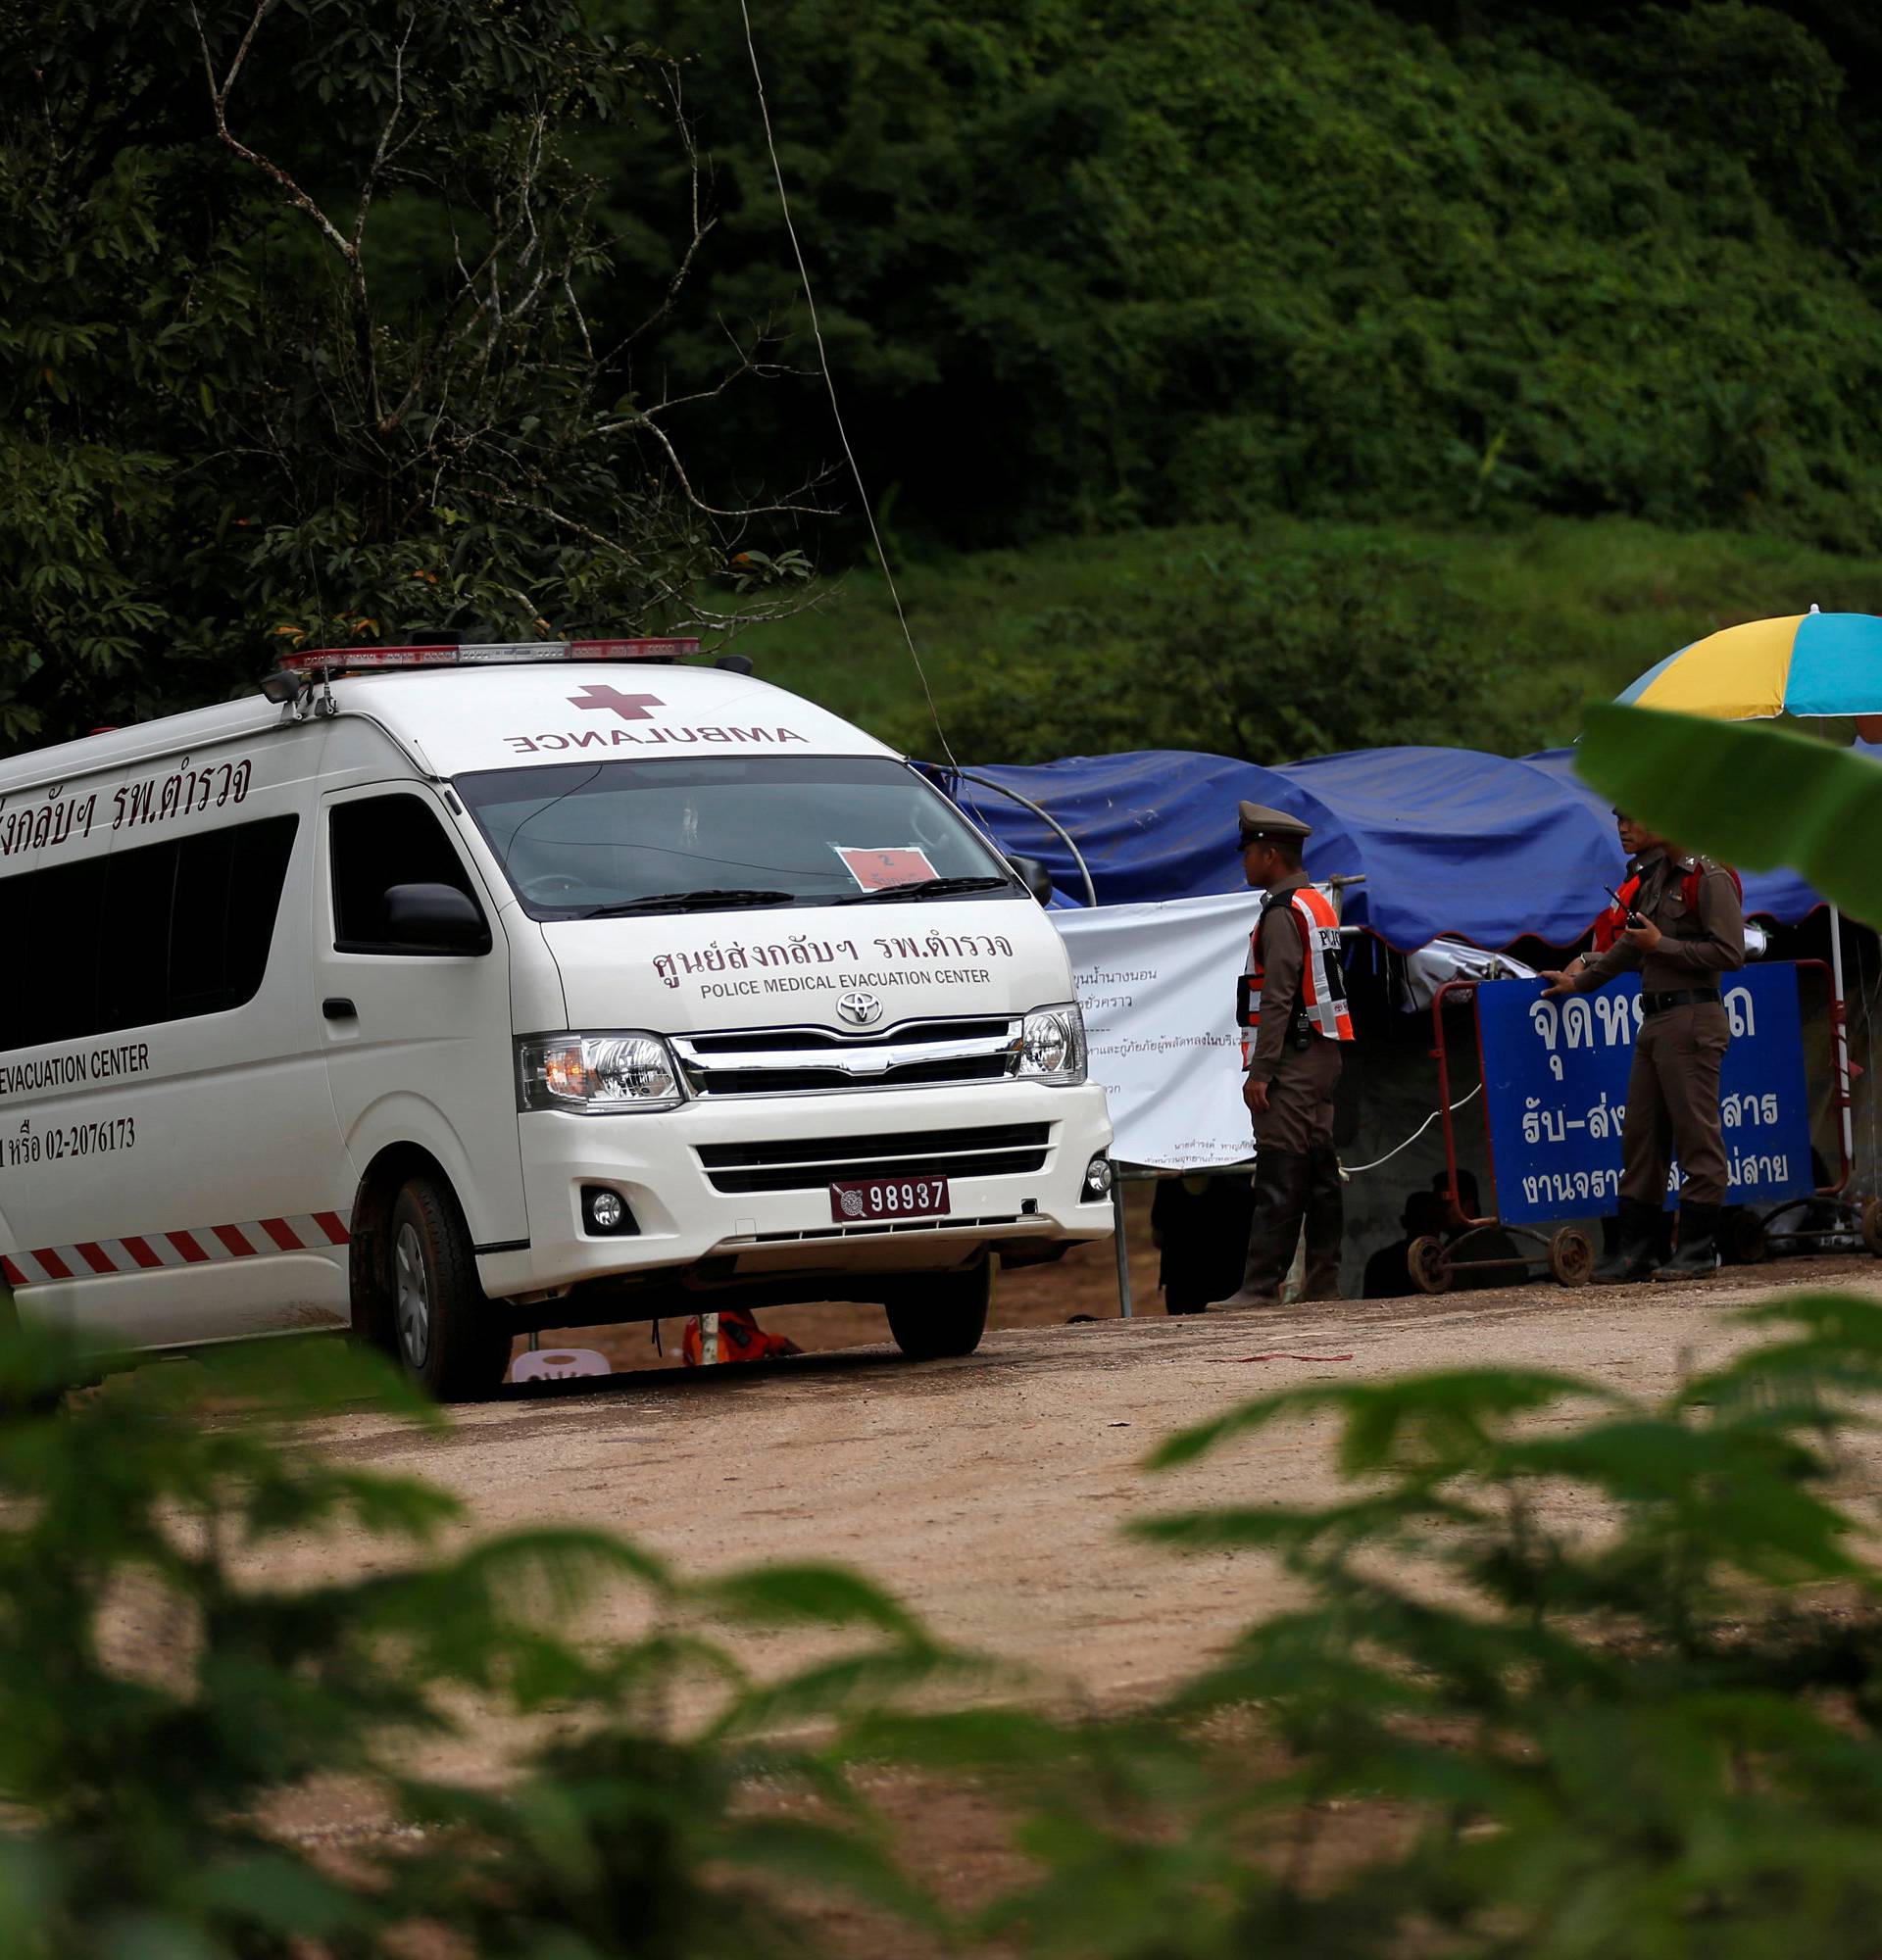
629, 706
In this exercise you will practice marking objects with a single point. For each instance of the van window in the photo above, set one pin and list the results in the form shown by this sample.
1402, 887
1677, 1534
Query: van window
579, 838
161, 933
379, 842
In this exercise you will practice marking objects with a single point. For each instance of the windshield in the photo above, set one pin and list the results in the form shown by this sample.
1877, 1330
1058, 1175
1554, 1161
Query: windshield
586, 840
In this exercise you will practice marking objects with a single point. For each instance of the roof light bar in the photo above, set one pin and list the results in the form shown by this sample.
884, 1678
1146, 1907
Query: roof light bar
332, 661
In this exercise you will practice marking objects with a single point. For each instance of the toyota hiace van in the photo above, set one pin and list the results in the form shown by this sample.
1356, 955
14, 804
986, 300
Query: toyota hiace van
450, 993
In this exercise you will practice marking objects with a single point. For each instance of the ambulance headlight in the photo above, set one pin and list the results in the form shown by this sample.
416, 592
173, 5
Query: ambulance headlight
597, 1075
1052, 1045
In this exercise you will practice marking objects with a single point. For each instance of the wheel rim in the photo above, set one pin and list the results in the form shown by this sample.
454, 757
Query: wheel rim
1430, 1270
414, 1301
1572, 1256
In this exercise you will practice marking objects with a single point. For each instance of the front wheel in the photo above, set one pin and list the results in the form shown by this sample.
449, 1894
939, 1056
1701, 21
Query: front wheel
441, 1327
942, 1314
1572, 1256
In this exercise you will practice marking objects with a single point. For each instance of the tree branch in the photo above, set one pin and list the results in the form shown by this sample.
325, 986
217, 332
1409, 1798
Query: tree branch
348, 249
219, 105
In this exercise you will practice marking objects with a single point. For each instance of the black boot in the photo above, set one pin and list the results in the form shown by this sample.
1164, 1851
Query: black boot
1695, 1257
1325, 1223
1637, 1249
1280, 1196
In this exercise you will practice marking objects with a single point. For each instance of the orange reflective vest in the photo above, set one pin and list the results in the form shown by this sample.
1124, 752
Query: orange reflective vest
1321, 1008
1609, 926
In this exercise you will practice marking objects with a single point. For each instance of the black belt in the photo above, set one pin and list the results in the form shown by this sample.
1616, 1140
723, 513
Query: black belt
1687, 997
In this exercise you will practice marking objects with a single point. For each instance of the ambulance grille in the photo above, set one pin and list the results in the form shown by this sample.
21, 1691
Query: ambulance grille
1003, 1150
811, 1061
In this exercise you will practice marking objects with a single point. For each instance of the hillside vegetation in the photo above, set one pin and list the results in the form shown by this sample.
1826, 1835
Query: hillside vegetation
1277, 339
1109, 264
1286, 637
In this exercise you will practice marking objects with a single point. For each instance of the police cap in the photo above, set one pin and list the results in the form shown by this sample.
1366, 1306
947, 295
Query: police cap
1261, 825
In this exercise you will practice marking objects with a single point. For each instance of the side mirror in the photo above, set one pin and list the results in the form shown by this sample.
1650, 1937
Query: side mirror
438, 917
1033, 874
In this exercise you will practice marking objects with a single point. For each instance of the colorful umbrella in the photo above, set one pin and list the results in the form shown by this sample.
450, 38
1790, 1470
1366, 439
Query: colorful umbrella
1808, 663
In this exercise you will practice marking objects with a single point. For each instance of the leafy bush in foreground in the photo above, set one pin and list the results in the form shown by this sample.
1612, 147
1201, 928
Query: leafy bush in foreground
1553, 1691
159, 1703
1573, 1674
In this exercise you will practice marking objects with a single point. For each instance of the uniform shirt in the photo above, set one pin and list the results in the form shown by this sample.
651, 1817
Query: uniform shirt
1697, 944
1282, 953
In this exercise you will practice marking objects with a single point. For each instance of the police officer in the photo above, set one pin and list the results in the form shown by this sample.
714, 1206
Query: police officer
1684, 927
1293, 1012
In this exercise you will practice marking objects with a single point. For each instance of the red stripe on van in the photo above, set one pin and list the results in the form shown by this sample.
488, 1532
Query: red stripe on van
15, 1277
333, 1225
140, 1250
233, 1240
97, 1258
53, 1267
192, 1253
285, 1238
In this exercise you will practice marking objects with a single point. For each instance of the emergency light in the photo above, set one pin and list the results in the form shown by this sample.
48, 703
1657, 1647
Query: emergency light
336, 661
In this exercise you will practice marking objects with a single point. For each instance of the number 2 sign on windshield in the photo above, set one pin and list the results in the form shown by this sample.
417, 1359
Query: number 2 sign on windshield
881, 871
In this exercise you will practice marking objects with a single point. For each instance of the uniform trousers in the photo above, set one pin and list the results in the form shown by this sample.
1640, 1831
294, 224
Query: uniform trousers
1300, 1099
1297, 1176
1672, 1105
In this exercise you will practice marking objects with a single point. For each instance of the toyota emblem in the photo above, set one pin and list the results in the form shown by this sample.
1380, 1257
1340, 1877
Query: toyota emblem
860, 1010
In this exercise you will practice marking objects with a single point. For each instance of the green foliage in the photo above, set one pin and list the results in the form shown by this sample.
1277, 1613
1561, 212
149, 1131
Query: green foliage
1548, 1693
1292, 637
313, 349
1093, 266
1302, 273
1268, 659
1751, 794
1571, 1674
159, 1701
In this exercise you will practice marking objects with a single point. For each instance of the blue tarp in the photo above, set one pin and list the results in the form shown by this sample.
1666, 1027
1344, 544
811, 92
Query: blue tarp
1449, 841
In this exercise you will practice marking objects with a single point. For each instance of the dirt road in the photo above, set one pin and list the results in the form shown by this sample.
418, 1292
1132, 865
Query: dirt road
988, 1493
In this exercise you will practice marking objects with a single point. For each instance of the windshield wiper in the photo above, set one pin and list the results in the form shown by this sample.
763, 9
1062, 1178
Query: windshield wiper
929, 888
708, 900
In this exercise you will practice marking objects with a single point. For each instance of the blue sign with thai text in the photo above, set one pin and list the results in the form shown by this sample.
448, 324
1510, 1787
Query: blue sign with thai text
1555, 1078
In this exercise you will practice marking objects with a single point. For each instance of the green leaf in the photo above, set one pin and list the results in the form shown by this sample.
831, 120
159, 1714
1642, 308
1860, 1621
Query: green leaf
855, 1685
1419, 1420
1284, 1527
812, 1854
1751, 794
281, 1893
816, 1594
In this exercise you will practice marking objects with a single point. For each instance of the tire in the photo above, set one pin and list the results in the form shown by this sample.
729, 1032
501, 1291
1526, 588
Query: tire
1743, 1239
1572, 1256
1872, 1225
440, 1317
943, 1317
1429, 1267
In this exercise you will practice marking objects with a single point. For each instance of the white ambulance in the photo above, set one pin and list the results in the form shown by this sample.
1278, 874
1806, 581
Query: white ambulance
447, 993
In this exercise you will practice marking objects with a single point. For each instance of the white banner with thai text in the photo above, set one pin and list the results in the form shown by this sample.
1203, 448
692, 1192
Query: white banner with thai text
1156, 983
